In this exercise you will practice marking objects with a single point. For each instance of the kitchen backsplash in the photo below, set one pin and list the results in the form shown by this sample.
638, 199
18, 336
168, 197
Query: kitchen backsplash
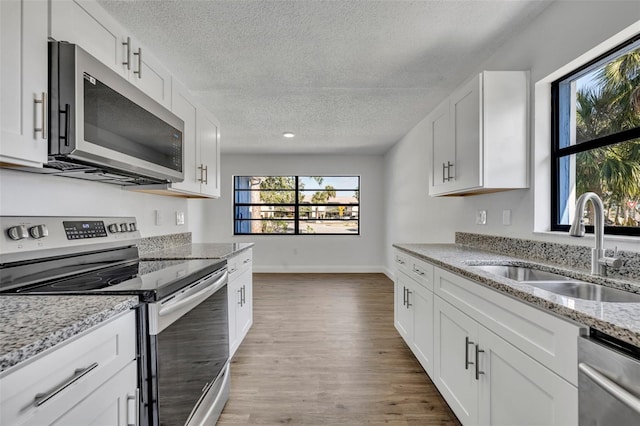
161, 242
541, 251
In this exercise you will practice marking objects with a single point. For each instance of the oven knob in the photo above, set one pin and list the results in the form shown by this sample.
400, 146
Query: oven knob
132, 227
113, 228
18, 232
39, 231
123, 227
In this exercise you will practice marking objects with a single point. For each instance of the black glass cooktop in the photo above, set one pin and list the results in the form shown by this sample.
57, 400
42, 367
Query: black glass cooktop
150, 280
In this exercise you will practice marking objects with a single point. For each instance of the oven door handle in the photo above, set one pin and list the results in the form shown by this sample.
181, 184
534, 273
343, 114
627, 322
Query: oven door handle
194, 296
611, 387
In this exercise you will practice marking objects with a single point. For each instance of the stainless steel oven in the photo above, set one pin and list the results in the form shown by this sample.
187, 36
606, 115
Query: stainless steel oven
183, 342
608, 381
190, 332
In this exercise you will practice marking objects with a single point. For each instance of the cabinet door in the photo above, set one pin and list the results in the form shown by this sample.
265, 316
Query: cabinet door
515, 389
443, 150
23, 81
113, 403
185, 108
86, 24
233, 296
466, 131
404, 315
454, 370
209, 154
422, 301
155, 79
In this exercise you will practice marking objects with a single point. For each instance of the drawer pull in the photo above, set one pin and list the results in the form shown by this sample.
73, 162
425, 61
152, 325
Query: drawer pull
408, 300
41, 398
478, 352
247, 261
418, 271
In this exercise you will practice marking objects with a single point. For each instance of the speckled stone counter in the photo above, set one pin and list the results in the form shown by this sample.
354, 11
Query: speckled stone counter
621, 320
31, 324
198, 251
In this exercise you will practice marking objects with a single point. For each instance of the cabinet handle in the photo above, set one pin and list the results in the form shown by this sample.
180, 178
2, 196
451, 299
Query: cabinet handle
41, 398
418, 271
467, 363
139, 55
128, 61
247, 261
201, 168
447, 167
240, 294
478, 372
244, 293
136, 407
400, 261
444, 167
43, 108
408, 302
206, 175
404, 293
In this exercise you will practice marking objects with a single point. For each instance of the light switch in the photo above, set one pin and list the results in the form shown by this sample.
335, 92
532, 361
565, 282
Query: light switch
506, 217
179, 218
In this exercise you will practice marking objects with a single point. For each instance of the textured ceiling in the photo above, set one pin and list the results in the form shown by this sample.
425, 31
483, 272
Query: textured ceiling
345, 76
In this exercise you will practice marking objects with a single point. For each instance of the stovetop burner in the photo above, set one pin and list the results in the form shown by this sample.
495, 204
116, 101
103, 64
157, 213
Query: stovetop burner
88, 282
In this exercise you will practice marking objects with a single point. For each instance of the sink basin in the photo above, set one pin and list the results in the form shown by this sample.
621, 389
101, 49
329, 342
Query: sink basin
559, 284
522, 273
587, 291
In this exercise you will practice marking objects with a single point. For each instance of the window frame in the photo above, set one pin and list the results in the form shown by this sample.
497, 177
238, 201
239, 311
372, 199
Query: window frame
558, 153
296, 206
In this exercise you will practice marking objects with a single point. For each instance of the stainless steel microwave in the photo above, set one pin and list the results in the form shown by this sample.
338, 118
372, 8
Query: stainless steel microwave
104, 128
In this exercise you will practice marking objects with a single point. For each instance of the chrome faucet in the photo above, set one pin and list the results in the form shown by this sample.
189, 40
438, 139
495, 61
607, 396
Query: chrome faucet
599, 262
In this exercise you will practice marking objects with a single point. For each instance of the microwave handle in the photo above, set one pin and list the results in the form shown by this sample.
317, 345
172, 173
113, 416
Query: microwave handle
67, 113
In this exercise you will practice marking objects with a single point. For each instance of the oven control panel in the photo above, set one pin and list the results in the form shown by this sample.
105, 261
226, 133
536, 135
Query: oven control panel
23, 235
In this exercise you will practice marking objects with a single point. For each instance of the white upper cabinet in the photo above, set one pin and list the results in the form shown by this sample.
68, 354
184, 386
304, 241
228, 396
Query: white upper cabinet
23, 82
201, 147
478, 136
86, 24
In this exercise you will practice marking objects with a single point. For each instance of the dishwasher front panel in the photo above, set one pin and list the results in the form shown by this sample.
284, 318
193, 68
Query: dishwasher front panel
608, 382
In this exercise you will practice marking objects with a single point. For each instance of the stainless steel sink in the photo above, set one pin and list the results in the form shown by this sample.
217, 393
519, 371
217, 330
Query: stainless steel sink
587, 291
560, 284
522, 273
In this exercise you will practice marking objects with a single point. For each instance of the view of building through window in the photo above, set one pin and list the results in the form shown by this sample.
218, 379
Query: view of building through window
596, 144
297, 205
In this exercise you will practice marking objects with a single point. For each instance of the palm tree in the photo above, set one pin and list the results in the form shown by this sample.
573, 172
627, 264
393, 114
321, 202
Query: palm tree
613, 172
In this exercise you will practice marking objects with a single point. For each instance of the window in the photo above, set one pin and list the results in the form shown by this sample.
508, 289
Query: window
596, 140
293, 205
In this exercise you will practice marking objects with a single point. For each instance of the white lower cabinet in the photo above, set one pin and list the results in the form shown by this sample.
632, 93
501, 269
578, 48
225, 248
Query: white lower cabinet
488, 381
90, 380
494, 359
240, 296
414, 318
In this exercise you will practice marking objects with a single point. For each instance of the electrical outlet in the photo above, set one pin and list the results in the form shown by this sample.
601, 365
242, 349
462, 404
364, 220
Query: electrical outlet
506, 217
481, 217
179, 218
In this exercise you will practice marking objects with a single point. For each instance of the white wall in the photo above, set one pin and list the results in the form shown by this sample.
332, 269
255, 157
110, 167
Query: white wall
562, 33
29, 194
305, 253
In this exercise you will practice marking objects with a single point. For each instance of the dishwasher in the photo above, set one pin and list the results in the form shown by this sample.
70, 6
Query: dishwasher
608, 381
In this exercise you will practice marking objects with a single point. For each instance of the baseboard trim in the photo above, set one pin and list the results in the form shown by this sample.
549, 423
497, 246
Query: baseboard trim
318, 269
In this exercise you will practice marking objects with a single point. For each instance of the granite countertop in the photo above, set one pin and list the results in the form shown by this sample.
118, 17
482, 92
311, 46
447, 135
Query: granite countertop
197, 251
31, 324
621, 320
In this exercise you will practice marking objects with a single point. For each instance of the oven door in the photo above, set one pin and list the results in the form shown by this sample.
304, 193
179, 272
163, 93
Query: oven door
191, 333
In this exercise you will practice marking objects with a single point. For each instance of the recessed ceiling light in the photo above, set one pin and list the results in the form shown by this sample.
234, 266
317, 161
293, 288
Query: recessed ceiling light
288, 134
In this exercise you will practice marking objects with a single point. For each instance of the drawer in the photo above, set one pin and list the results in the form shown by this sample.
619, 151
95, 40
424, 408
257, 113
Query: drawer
240, 263
419, 270
550, 340
101, 352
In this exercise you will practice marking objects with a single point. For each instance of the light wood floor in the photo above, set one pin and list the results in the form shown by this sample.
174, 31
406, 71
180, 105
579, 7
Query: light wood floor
323, 351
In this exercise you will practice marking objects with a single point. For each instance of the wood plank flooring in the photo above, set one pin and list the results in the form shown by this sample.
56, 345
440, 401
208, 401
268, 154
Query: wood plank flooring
323, 350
